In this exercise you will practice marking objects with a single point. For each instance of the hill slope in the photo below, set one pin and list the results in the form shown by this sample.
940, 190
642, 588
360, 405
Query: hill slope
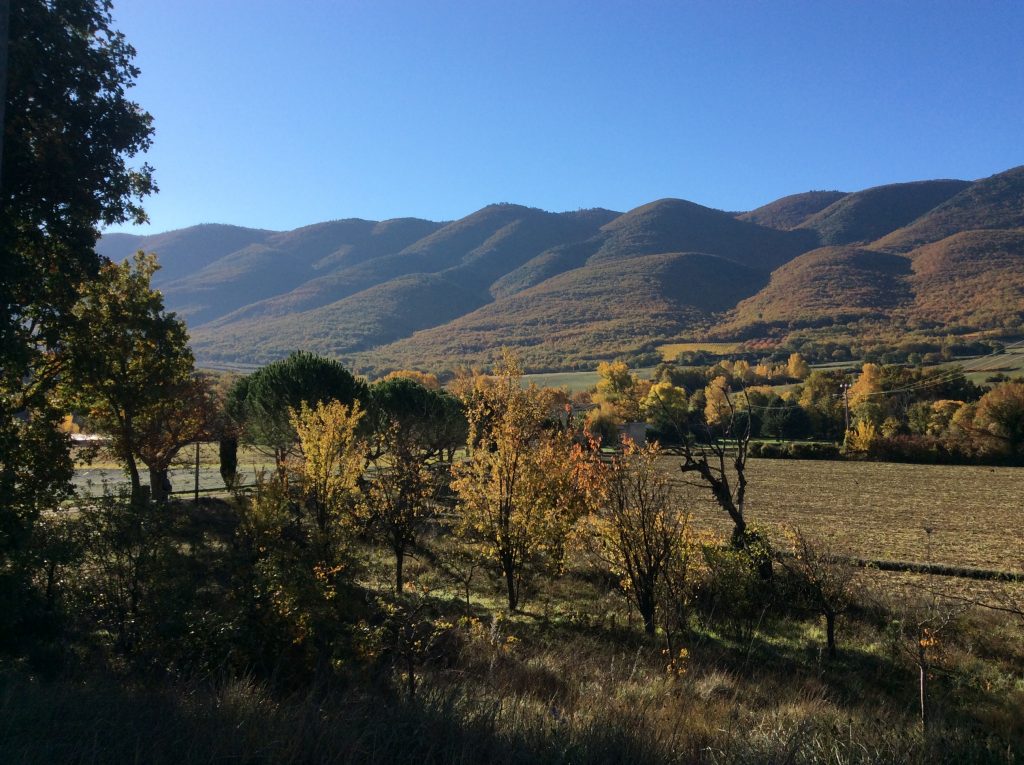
789, 212
569, 288
867, 215
996, 202
598, 311
829, 285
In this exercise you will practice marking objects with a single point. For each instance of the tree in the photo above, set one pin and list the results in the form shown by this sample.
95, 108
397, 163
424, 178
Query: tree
299, 527
719, 460
824, 582
68, 133
331, 462
619, 392
1000, 415
796, 367
425, 379
818, 397
867, 384
413, 428
666, 407
637, 531
525, 482
127, 357
261, 402
188, 414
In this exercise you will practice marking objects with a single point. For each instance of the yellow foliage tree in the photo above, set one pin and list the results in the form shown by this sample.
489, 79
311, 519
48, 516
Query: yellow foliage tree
797, 367
425, 379
619, 391
718, 406
862, 438
667, 407
331, 459
525, 483
301, 523
868, 383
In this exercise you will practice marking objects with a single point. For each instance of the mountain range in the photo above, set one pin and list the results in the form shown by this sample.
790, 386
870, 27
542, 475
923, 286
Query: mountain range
569, 289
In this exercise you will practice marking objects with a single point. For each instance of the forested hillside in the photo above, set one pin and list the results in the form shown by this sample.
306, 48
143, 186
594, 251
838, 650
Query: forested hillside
572, 288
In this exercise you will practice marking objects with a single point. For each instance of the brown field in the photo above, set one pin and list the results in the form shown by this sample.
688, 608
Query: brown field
881, 510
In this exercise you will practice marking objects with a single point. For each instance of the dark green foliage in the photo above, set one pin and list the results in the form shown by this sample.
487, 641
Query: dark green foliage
260, 402
228, 451
69, 130
795, 450
784, 422
433, 419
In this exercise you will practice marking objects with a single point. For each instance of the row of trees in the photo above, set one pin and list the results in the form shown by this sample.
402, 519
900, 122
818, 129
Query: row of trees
895, 412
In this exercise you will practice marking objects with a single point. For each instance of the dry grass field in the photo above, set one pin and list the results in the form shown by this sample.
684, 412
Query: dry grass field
670, 350
882, 510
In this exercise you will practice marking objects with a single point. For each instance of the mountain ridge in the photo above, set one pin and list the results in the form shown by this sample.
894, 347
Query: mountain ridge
570, 288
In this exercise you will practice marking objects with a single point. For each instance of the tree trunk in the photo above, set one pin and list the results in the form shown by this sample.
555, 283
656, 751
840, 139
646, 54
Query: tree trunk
229, 460
138, 496
922, 665
830, 631
159, 484
645, 605
510, 582
399, 563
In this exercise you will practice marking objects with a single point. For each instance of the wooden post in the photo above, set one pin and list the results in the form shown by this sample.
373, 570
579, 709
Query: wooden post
196, 496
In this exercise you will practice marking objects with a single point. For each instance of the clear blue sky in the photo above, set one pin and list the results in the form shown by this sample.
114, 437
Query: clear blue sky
279, 114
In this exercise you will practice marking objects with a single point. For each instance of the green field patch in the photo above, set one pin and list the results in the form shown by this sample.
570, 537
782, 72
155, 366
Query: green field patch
575, 381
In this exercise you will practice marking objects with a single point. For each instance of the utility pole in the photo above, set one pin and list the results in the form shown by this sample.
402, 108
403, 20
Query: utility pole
846, 403
5, 27
196, 494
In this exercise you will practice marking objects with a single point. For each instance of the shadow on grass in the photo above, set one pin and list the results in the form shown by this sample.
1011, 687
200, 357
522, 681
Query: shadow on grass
101, 722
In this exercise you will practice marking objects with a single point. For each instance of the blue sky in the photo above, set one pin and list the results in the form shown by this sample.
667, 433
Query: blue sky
279, 114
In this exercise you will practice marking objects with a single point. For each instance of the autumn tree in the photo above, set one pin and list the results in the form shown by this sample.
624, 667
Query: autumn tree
189, 414
666, 407
525, 481
425, 379
863, 395
327, 470
637, 529
619, 392
300, 526
796, 367
127, 357
819, 397
1000, 415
